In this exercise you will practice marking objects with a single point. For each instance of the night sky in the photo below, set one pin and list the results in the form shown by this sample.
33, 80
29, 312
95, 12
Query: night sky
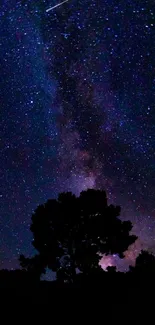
77, 107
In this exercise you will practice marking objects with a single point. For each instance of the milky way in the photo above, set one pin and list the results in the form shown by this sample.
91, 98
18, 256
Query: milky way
77, 111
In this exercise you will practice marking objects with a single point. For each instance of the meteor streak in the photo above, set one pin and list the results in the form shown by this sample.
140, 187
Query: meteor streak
59, 4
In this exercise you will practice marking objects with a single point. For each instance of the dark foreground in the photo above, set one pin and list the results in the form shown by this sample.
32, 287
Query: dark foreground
112, 289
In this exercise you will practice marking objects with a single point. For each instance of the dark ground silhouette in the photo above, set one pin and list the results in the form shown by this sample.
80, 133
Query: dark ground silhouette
109, 288
68, 234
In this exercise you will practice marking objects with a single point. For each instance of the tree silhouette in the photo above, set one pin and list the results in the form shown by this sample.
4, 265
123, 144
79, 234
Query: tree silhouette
111, 269
145, 263
70, 232
35, 265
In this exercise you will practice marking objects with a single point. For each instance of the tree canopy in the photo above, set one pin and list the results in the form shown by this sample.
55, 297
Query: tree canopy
71, 232
145, 263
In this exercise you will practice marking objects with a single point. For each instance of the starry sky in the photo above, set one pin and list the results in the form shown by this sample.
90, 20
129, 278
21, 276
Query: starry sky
77, 111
